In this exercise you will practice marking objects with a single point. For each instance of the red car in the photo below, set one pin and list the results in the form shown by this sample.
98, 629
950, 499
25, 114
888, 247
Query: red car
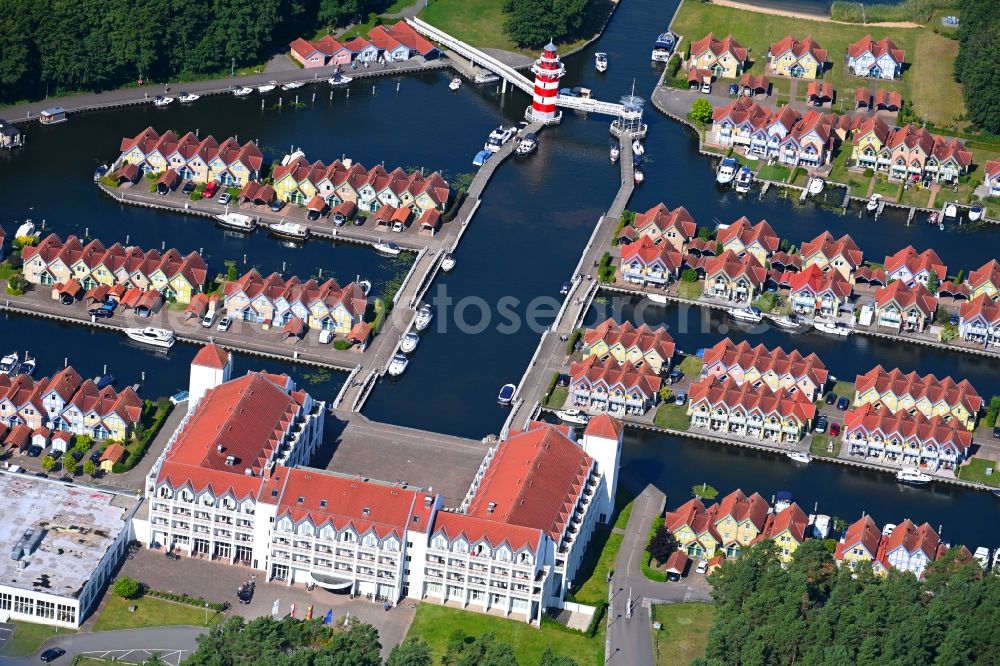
210, 190
834, 429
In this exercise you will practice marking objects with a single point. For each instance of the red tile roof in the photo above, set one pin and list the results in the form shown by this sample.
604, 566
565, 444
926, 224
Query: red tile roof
910, 538
604, 426
727, 355
985, 275
915, 428
791, 518
915, 262
798, 49
302, 48
831, 248
735, 267
907, 297
496, 533
873, 124
863, 532
992, 168
748, 234
404, 33
982, 306
115, 453
888, 98
609, 372
727, 392
647, 251
629, 336
877, 49
719, 47
211, 356
820, 90
754, 82
934, 389
664, 219
814, 281
863, 95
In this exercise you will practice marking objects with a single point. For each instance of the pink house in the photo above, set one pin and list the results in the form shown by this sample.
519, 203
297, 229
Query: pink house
306, 54
335, 52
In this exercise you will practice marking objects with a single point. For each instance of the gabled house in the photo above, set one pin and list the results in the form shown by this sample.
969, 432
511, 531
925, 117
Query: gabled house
389, 47
811, 141
628, 343
841, 254
801, 60
609, 386
907, 439
676, 226
926, 394
904, 308
816, 293
859, 544
306, 54
751, 411
985, 280
404, 33
334, 52
693, 528
725, 58
742, 238
362, 50
739, 521
991, 177
870, 138
879, 60
910, 267
907, 548
734, 279
787, 529
979, 321
646, 263
776, 368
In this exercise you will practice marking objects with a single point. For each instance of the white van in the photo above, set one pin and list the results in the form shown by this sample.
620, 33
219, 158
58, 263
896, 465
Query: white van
325, 337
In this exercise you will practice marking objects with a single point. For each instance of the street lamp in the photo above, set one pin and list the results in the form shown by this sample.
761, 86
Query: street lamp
232, 72
206, 613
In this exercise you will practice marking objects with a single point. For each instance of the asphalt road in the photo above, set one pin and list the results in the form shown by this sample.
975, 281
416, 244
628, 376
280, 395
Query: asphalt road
134, 645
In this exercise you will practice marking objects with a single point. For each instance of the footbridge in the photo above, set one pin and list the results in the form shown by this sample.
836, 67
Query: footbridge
509, 74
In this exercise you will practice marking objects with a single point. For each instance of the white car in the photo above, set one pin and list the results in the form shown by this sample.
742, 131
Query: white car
224, 324
706, 87
225, 198
702, 567
208, 320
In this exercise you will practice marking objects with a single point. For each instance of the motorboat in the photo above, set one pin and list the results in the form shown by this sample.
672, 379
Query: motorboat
27, 228
636, 160
820, 525
455, 84
799, 456
976, 212
481, 157
951, 210
638, 176
157, 337
601, 62
160, 100
659, 299
237, 221
982, 557
744, 179
267, 87
749, 314
615, 154
663, 47
789, 323
289, 230
423, 318
499, 137
27, 367
386, 247
912, 476
783, 500
293, 85
815, 185
409, 342
9, 363
932, 218
100, 172
242, 91
574, 416
366, 285
637, 147
528, 145
506, 394
486, 77
831, 328
186, 98
872, 204
339, 79
398, 365
888, 529
996, 562
726, 171
448, 262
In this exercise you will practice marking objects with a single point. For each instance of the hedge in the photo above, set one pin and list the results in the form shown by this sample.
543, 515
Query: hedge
646, 563
185, 599
163, 409
552, 385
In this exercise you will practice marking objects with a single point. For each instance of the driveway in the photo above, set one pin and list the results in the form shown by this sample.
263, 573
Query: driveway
134, 645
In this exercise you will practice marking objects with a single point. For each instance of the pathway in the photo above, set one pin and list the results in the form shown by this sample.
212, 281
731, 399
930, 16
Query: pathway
735, 4
138, 644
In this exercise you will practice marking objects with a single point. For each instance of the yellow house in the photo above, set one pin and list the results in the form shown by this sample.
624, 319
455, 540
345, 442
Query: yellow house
114, 454
739, 520
869, 140
692, 526
801, 60
859, 544
927, 394
725, 58
626, 342
985, 280
787, 529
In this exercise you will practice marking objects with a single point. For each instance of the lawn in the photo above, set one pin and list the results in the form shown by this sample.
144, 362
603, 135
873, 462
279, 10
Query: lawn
775, 172
690, 290
669, 415
558, 398
151, 612
683, 633
28, 638
975, 470
843, 388
691, 366
818, 446
591, 585
437, 624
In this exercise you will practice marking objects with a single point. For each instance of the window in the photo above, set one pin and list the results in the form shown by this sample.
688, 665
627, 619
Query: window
46, 609
5, 600
24, 605
66, 613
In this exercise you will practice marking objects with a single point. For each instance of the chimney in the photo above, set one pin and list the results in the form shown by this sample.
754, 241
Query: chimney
491, 507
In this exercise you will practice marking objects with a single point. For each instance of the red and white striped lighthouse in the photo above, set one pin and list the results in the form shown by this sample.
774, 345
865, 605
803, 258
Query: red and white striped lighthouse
548, 70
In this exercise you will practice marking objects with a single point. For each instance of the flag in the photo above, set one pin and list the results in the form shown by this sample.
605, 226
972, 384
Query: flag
347, 618
309, 613
275, 608
292, 613
329, 617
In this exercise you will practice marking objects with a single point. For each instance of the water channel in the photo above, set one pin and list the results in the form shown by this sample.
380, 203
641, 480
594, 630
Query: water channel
524, 241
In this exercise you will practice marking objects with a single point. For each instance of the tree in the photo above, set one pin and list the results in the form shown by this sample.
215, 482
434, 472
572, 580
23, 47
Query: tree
127, 587
411, 652
48, 463
485, 650
933, 282
549, 658
155, 660
89, 468
979, 42
662, 544
69, 463
701, 111
532, 23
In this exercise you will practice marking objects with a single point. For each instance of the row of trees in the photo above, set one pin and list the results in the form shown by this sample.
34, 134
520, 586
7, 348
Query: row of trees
60, 46
975, 68
816, 613
532, 23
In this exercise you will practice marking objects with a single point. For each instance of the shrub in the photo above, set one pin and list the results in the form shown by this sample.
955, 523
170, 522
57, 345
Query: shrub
341, 345
869, 172
701, 111
185, 599
573, 339
704, 491
17, 285
689, 275
127, 587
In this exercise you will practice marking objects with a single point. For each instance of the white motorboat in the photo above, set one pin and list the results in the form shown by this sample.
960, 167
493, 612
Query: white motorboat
160, 100
659, 299
799, 456
574, 416
889, 529
982, 557
744, 179
9, 363
293, 85
157, 337
481, 157
816, 185
663, 47
615, 154
976, 212
498, 137
242, 91
486, 77
872, 204
637, 147
455, 84
749, 314
996, 562
528, 144
386, 247
27, 366
932, 217
506, 394
638, 176
339, 79
289, 230
786, 322
27, 228
366, 285
726, 171
237, 221
601, 62
186, 98
912, 476
423, 318
951, 210
448, 262
398, 365
267, 87
831, 328
409, 342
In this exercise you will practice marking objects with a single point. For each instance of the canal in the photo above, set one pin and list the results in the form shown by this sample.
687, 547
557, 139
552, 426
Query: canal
523, 242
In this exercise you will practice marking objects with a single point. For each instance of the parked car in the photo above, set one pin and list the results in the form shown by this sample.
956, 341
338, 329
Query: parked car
831, 398
734, 89
52, 654
208, 320
103, 312
95, 457
277, 205
835, 430
34, 451
996, 433
188, 187
675, 376
359, 220
702, 567
953, 320
706, 87
224, 324
225, 198
843, 403
673, 576
210, 190
339, 219
680, 398
312, 215
821, 424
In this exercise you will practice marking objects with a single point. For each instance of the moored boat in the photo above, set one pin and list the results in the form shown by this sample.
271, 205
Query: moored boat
637, 147
789, 323
448, 262
615, 154
660, 299
267, 87
932, 217
982, 557
409, 342
976, 212
527, 145
292, 85
815, 185
744, 179
185, 98
601, 61
506, 394
726, 171
638, 177
486, 77
242, 91
873, 202
498, 137
423, 318
156, 337
386, 247
289, 230
799, 456
749, 314
160, 100
481, 157
912, 476
398, 365
236, 221
663, 47
339, 79
831, 328
574, 416
951, 210
455, 84
9, 363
